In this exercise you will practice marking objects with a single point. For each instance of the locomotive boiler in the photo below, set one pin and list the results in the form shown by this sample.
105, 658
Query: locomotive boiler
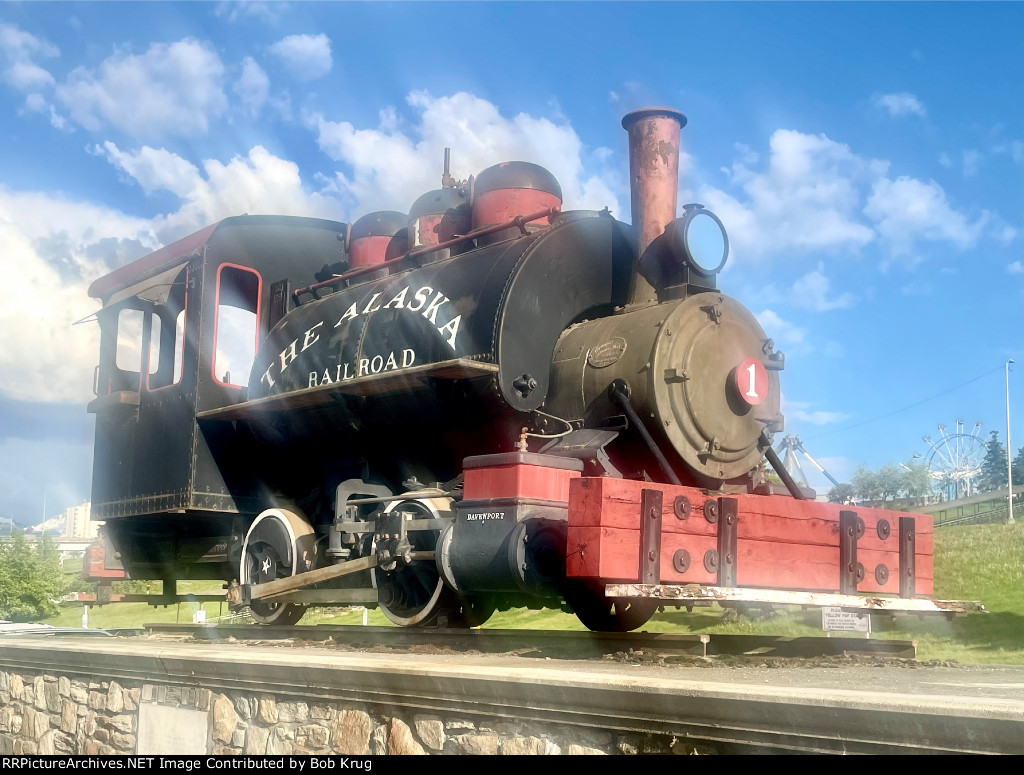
485, 402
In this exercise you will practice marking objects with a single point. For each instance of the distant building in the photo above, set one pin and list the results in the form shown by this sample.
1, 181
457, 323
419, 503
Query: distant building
77, 523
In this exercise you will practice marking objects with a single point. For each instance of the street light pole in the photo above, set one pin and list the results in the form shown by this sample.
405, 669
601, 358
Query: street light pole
1009, 465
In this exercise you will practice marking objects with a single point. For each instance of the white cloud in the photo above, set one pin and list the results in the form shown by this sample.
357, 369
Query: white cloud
1015, 268
944, 160
390, 166
901, 104
801, 411
53, 249
306, 57
172, 89
788, 337
811, 292
907, 209
807, 199
257, 183
18, 51
153, 168
242, 9
252, 86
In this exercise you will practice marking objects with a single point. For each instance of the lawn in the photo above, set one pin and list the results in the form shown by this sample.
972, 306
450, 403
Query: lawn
972, 562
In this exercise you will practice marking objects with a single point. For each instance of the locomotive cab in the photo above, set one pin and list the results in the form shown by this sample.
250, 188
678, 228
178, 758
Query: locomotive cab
179, 330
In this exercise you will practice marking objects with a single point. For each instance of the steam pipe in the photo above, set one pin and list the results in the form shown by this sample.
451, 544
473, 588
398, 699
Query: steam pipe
619, 392
654, 182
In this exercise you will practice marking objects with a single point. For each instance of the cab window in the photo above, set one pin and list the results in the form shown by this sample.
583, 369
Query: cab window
236, 324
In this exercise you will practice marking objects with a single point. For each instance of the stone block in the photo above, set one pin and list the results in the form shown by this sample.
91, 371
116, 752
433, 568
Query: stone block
108, 750
321, 712
63, 743
288, 712
52, 696
29, 748
17, 686
102, 734
458, 726
242, 708
115, 699
6, 714
225, 750
39, 692
379, 741
6, 745
268, 710
277, 745
352, 733
123, 741
97, 701
79, 692
476, 745
68, 716
400, 740
5, 681
238, 738
35, 724
202, 698
583, 750
64, 686
148, 692
46, 743
430, 730
256, 739
92, 747
529, 746
123, 723
224, 719
312, 736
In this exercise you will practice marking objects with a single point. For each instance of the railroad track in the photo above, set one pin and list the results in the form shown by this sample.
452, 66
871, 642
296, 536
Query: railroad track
644, 646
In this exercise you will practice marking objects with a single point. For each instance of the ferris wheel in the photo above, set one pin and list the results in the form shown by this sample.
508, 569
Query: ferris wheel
954, 460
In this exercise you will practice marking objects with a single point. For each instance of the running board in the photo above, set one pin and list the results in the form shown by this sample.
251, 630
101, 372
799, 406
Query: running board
703, 595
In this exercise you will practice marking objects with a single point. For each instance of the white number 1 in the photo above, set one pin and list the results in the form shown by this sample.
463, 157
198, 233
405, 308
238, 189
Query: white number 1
751, 370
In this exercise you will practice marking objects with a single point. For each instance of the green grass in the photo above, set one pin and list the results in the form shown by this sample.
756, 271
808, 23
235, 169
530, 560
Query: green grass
977, 562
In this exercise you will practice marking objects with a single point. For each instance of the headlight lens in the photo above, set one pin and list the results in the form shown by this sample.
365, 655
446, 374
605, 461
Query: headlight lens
704, 243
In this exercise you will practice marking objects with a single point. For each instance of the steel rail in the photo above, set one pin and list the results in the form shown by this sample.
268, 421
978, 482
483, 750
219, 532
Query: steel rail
553, 643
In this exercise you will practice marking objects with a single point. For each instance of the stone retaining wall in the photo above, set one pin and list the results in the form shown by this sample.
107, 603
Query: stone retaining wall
54, 714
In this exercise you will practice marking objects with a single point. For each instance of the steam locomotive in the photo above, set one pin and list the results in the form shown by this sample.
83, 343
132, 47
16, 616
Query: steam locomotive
486, 402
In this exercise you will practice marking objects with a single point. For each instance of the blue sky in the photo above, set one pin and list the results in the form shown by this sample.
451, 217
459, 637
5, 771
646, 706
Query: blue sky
865, 158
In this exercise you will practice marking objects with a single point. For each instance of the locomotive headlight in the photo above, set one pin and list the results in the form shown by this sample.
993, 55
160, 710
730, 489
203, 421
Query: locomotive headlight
700, 237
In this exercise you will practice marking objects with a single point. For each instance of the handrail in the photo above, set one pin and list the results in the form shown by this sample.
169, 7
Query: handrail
519, 222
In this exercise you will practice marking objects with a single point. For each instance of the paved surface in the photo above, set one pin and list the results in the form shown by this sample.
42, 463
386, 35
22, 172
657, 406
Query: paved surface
839, 705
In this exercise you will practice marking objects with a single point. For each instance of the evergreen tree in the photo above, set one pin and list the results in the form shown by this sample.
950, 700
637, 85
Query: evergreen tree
993, 467
1018, 468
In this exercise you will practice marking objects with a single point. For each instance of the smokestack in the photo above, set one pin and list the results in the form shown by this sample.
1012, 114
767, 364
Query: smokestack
654, 181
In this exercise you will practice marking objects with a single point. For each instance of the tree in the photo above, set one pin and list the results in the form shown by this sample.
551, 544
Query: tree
841, 493
1018, 468
30, 579
915, 480
865, 484
993, 467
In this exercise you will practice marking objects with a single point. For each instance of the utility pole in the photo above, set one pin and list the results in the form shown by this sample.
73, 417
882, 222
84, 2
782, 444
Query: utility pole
1009, 465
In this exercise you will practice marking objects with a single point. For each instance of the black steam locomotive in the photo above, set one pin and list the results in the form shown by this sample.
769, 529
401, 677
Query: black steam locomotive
394, 411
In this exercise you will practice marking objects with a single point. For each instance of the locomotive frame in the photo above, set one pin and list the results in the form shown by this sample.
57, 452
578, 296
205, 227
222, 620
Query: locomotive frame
378, 449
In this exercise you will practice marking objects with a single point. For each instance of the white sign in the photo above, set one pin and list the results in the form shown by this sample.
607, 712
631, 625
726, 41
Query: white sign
838, 620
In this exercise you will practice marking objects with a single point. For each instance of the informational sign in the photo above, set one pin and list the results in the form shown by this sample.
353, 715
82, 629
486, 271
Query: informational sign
838, 620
